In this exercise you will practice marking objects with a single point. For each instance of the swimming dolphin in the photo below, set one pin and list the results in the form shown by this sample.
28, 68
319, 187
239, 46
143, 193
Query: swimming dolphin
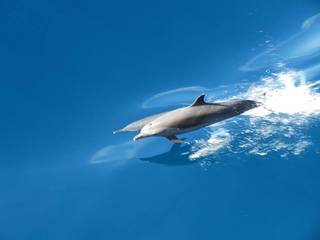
186, 119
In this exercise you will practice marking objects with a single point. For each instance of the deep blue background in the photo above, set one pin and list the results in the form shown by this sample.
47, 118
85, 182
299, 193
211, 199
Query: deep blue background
74, 71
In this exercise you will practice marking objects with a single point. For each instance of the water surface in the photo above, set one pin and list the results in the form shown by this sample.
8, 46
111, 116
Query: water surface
75, 71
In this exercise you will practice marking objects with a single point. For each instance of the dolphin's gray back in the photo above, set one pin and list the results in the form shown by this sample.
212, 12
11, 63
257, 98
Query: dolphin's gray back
194, 117
190, 117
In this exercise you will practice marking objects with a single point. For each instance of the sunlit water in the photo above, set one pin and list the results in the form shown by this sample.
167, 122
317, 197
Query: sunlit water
288, 90
72, 72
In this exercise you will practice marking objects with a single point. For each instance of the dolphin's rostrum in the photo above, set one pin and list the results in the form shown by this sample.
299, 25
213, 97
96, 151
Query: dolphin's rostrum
199, 114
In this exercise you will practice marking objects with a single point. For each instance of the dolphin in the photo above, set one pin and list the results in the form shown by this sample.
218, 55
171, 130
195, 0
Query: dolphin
186, 119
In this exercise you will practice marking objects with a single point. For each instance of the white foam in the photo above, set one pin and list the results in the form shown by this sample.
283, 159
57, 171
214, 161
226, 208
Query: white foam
285, 92
278, 127
203, 148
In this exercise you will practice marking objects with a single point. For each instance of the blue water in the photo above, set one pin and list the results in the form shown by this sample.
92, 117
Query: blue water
72, 72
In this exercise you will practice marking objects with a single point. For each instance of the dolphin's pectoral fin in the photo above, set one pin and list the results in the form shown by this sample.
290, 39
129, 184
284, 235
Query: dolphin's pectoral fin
174, 139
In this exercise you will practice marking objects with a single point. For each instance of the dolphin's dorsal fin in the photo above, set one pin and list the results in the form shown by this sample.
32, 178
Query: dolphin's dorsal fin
199, 101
